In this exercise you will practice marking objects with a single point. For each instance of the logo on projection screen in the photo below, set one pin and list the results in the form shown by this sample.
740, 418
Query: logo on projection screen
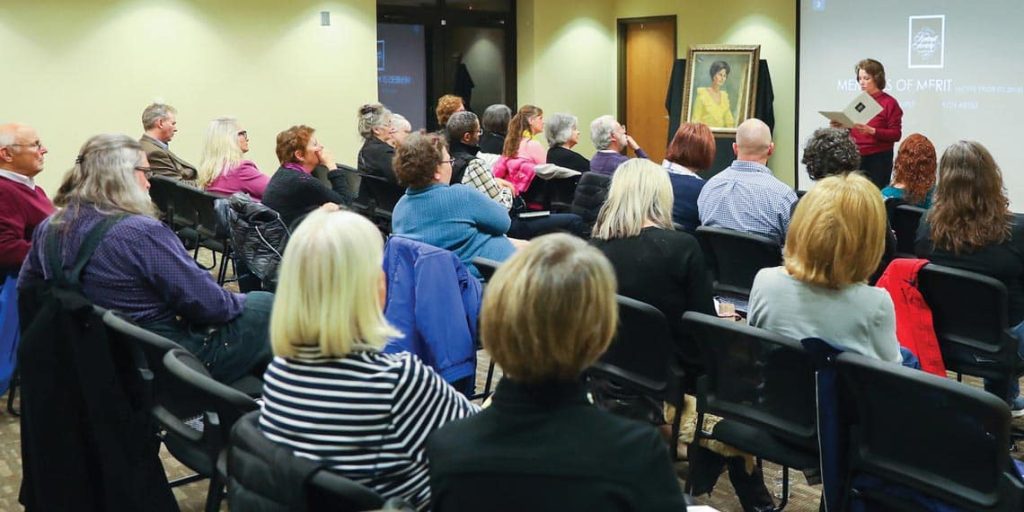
926, 41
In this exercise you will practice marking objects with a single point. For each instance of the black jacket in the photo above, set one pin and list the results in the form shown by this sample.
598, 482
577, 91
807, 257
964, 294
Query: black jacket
293, 194
462, 154
564, 157
492, 143
591, 193
546, 448
375, 158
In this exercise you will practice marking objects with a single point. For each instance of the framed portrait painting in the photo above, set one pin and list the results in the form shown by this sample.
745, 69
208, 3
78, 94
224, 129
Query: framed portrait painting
720, 86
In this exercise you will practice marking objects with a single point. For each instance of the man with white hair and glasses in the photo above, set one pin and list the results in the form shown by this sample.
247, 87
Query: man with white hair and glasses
24, 204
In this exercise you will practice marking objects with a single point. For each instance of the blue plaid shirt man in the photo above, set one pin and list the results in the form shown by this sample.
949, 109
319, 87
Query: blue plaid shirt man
747, 197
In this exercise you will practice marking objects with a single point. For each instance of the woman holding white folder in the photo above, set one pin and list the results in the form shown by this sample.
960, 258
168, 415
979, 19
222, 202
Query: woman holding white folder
876, 138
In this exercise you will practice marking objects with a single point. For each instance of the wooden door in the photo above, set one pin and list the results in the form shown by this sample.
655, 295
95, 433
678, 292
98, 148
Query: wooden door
645, 68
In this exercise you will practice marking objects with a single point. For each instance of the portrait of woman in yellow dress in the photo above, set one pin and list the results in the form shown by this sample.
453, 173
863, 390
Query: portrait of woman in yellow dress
711, 105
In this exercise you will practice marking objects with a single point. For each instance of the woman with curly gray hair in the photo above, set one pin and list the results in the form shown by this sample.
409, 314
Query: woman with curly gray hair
830, 151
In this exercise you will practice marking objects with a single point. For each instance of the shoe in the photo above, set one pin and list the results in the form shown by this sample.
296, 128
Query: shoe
1017, 407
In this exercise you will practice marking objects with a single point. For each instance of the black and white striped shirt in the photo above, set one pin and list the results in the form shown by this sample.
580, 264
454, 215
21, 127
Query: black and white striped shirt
366, 416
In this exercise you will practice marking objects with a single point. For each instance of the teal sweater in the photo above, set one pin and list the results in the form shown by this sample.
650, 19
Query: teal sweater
458, 218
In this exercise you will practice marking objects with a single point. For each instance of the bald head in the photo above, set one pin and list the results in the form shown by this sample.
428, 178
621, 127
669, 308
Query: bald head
20, 149
753, 141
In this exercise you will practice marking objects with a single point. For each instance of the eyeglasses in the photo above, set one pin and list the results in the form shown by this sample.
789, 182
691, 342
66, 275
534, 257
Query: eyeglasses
243, 133
36, 146
146, 171
450, 161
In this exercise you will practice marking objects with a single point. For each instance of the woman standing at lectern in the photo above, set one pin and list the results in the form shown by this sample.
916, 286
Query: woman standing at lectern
875, 139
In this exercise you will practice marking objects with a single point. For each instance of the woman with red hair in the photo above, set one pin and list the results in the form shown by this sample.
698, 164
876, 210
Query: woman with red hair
913, 179
692, 149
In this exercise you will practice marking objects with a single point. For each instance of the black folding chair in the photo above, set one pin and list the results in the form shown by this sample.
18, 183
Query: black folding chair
211, 230
261, 472
735, 257
167, 395
589, 195
969, 311
199, 437
381, 195
904, 221
762, 386
938, 438
161, 191
643, 359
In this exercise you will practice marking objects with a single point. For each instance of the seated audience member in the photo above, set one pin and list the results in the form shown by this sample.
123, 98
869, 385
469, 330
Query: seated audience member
376, 126
746, 196
293, 191
834, 244
970, 226
830, 151
611, 140
548, 314
222, 170
495, 124
521, 142
692, 149
563, 133
913, 174
161, 123
653, 262
330, 394
400, 127
142, 270
464, 132
24, 204
458, 219
446, 106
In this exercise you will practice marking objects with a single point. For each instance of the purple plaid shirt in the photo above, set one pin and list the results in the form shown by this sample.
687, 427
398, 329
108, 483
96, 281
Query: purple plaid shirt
140, 268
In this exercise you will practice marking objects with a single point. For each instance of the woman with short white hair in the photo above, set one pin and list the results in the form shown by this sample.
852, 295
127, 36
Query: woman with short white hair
222, 169
330, 394
563, 133
376, 127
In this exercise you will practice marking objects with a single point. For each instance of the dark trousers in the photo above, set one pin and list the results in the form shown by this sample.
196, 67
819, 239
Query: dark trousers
233, 350
526, 229
878, 168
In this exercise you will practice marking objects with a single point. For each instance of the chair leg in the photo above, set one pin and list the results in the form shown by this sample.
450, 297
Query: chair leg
785, 490
215, 494
676, 420
490, 378
11, 391
185, 480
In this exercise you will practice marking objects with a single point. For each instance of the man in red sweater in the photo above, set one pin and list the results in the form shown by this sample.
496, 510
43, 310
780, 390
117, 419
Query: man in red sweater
23, 204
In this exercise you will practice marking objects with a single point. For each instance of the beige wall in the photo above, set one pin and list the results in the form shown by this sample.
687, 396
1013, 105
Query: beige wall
569, 48
77, 68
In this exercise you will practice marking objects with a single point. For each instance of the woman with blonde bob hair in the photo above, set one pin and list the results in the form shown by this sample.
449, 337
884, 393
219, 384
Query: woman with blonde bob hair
330, 394
653, 262
548, 314
141, 269
835, 242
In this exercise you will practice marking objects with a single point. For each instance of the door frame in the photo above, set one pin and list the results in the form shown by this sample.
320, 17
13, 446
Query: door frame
620, 27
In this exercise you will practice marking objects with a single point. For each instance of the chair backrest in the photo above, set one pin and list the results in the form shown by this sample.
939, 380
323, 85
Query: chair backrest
756, 377
486, 266
590, 195
219, 404
185, 213
153, 348
735, 257
161, 191
266, 476
970, 318
208, 221
640, 355
383, 193
939, 437
905, 219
